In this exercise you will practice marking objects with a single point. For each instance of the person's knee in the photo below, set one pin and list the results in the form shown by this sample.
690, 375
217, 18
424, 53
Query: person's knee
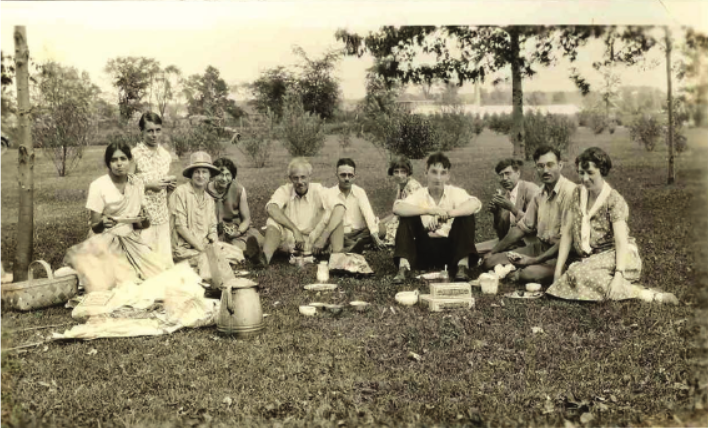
531, 274
494, 260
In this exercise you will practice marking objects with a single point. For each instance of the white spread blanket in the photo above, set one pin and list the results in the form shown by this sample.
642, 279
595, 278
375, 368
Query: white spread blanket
160, 305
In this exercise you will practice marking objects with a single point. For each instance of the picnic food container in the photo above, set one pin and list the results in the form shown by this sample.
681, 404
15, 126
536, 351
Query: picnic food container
532, 286
407, 298
42, 292
240, 313
308, 310
451, 290
322, 272
439, 305
489, 283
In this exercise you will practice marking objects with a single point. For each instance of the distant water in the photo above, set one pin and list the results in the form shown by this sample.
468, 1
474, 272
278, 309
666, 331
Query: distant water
566, 109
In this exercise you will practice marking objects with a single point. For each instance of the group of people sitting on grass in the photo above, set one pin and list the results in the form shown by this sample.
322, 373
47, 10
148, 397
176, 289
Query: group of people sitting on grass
572, 238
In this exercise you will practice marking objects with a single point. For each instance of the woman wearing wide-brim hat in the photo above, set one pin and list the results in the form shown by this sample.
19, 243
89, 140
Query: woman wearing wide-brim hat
194, 217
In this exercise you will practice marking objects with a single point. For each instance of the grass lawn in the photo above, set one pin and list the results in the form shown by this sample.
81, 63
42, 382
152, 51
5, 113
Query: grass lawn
616, 363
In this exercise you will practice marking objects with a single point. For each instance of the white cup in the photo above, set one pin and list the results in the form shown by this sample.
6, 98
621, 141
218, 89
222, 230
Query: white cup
489, 283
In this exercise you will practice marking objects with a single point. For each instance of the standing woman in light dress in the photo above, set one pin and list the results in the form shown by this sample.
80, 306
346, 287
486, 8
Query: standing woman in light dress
596, 227
152, 165
401, 170
115, 251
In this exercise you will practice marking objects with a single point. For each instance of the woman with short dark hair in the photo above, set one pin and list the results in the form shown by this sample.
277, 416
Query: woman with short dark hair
115, 202
596, 228
233, 215
401, 170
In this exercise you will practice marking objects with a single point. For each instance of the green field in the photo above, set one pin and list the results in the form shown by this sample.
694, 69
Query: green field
615, 363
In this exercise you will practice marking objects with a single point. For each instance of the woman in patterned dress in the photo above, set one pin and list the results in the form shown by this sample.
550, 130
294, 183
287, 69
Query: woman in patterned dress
114, 251
596, 227
152, 165
401, 169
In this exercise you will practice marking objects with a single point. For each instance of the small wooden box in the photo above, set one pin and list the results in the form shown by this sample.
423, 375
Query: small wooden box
438, 305
451, 290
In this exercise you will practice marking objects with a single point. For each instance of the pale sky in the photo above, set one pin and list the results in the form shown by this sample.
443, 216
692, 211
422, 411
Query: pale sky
242, 39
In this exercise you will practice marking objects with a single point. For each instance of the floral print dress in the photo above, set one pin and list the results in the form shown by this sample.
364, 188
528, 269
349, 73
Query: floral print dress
590, 278
392, 226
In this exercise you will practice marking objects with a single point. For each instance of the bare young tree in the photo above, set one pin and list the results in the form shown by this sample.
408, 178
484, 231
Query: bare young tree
63, 118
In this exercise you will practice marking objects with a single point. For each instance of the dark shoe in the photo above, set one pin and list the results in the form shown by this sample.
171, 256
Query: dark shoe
254, 254
402, 276
462, 275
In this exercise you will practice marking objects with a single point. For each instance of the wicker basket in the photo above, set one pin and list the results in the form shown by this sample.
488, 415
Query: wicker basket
40, 293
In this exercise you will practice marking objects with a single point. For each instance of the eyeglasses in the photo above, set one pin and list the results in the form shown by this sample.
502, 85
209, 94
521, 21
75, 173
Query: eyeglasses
541, 166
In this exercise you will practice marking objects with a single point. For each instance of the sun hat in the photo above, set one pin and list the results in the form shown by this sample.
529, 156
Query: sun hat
200, 160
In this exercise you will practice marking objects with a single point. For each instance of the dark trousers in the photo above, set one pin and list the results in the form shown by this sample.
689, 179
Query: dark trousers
415, 245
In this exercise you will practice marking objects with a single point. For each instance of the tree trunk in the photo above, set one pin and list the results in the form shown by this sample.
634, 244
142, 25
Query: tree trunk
672, 166
25, 220
516, 134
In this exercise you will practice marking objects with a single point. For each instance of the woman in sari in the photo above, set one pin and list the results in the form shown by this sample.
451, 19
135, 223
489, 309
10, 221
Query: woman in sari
596, 227
401, 170
194, 219
114, 251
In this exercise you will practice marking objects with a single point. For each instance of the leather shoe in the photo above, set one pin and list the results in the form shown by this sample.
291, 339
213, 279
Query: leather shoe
254, 253
461, 275
402, 276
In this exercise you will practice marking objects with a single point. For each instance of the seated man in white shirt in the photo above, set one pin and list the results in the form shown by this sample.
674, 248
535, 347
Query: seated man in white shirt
296, 214
437, 225
360, 225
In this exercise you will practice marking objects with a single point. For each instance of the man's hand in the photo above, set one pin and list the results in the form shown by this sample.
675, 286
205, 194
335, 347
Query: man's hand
430, 223
299, 240
440, 213
319, 246
378, 243
502, 202
523, 260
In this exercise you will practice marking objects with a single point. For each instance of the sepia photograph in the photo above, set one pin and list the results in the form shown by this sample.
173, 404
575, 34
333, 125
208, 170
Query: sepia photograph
341, 214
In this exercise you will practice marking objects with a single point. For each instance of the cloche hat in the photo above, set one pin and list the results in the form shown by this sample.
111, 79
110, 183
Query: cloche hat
200, 160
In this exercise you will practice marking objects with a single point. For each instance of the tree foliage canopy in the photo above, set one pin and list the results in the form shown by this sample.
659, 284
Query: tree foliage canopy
313, 81
133, 77
208, 94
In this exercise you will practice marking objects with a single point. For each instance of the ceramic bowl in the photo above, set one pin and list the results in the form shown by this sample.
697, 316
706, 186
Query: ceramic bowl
532, 286
308, 310
407, 298
359, 305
